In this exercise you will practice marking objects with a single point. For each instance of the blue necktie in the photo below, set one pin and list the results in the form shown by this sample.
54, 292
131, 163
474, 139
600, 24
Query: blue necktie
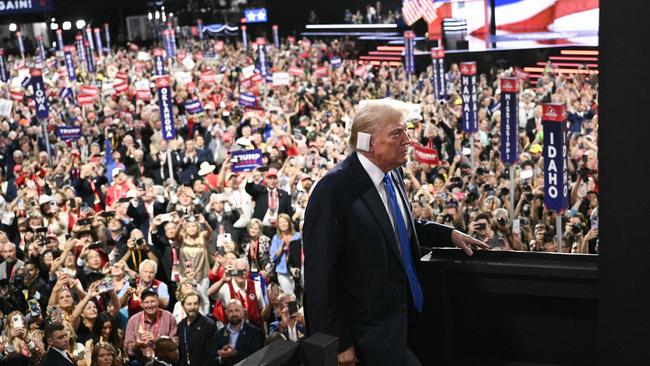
403, 235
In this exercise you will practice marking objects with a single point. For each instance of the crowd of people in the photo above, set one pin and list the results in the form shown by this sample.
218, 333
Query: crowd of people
124, 247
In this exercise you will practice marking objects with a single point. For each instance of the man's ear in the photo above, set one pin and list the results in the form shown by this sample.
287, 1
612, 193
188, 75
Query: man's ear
364, 141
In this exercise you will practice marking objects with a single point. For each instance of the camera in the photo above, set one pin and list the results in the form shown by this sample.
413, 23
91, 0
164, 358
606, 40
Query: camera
95, 245
504, 191
480, 226
105, 285
236, 272
548, 237
501, 221
472, 196
293, 307
524, 221
576, 228
84, 222
140, 241
448, 218
132, 283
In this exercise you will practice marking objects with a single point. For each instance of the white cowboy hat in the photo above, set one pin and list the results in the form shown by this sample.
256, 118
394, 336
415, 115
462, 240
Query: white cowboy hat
206, 168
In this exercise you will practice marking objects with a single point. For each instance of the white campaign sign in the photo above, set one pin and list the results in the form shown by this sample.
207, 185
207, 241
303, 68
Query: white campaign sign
5, 107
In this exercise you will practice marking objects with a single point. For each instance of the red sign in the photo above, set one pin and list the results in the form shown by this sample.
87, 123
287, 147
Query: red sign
162, 82
89, 90
296, 71
438, 52
122, 76
143, 95
509, 85
260, 40
321, 71
426, 155
554, 112
409, 34
34, 72
84, 99
360, 71
121, 87
17, 95
208, 76
468, 68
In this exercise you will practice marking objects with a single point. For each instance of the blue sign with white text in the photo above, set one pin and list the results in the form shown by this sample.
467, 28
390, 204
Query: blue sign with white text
24, 6
246, 160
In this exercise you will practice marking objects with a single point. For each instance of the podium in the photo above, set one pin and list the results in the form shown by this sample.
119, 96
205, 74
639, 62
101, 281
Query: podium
506, 308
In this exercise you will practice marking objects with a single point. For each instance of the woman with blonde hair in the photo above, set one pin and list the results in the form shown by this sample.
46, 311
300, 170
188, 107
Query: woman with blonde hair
194, 245
17, 340
256, 249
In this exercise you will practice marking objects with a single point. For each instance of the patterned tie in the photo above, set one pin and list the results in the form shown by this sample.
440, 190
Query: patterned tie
402, 233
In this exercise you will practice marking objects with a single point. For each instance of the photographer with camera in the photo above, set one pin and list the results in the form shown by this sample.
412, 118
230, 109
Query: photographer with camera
241, 287
136, 251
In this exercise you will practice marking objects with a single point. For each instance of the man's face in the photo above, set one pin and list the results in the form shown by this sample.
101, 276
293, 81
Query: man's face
390, 145
150, 305
147, 273
169, 353
31, 271
271, 181
191, 306
60, 339
235, 313
9, 253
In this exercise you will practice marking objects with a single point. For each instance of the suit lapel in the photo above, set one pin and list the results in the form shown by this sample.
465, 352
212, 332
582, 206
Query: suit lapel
375, 205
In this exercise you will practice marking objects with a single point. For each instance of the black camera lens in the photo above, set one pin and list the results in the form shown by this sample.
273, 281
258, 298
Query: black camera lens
575, 228
501, 221
139, 241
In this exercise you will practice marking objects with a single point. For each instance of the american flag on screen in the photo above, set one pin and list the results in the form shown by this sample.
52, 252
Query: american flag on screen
428, 10
411, 11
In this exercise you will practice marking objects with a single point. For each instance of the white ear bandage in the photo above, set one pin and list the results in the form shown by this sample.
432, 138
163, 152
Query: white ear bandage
363, 141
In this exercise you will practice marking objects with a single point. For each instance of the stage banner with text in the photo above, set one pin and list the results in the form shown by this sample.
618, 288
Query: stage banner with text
509, 135
556, 191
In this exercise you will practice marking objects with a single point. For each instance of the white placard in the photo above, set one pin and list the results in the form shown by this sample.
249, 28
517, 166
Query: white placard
248, 71
142, 84
280, 78
5, 107
183, 77
188, 63
144, 56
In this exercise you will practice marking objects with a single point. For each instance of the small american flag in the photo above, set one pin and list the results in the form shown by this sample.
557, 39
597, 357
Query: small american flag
411, 11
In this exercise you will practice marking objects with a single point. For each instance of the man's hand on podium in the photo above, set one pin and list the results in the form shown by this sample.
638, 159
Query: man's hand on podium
466, 242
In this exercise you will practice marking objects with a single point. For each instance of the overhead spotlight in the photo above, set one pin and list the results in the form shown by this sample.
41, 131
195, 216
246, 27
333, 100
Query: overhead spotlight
149, 15
157, 15
80, 23
53, 20
13, 27
67, 25
164, 17
54, 26
171, 15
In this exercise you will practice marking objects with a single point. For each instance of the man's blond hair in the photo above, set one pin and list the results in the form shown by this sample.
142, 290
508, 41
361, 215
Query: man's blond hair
373, 114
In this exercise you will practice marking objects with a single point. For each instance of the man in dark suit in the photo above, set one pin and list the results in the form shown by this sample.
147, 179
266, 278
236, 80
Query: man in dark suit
239, 339
362, 244
270, 201
196, 334
59, 340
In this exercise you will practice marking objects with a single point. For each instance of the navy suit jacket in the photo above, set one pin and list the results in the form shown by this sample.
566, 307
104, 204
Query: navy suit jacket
355, 281
54, 358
